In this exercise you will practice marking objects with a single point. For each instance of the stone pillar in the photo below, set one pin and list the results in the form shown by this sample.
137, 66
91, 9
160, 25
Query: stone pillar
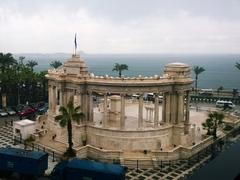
50, 97
54, 99
156, 111
151, 115
64, 96
180, 113
104, 122
164, 108
77, 99
174, 102
186, 123
168, 108
90, 106
140, 112
84, 104
146, 114
61, 97
122, 116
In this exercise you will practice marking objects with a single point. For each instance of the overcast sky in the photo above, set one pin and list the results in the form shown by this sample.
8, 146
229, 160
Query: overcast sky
120, 26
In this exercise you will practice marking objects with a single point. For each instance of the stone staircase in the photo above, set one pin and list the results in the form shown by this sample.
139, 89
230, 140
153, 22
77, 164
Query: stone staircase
138, 163
137, 160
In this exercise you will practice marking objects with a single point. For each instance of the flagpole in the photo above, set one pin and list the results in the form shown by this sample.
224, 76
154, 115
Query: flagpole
75, 43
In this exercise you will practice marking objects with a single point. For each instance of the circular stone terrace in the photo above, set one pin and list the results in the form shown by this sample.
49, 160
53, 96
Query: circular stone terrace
129, 118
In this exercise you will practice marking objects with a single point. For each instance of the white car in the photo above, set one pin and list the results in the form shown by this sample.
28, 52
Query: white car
3, 113
222, 104
11, 112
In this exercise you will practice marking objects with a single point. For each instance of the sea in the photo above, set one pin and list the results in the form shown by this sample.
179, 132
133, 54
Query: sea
219, 71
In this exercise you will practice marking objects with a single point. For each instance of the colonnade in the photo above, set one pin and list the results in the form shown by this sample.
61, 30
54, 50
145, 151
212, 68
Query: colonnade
175, 106
60, 96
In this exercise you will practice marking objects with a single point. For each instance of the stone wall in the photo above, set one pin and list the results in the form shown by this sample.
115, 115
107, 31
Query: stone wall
114, 139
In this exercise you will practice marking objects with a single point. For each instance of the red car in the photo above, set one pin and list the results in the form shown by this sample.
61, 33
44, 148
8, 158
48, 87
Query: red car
27, 111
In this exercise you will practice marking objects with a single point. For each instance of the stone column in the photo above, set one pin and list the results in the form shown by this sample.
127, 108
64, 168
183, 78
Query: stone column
64, 97
50, 97
186, 123
67, 96
122, 117
164, 108
168, 108
104, 122
90, 106
174, 102
84, 103
180, 107
61, 97
140, 112
54, 99
156, 111
77, 99
146, 114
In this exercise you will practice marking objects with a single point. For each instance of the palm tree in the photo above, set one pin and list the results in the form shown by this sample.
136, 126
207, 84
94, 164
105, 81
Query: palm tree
31, 64
69, 114
214, 120
119, 68
197, 70
6, 63
237, 65
55, 64
218, 90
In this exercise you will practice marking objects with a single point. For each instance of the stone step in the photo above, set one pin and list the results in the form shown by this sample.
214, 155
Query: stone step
138, 163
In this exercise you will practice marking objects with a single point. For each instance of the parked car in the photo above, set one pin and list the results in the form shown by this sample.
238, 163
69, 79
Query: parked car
10, 111
43, 109
3, 113
19, 108
27, 111
40, 104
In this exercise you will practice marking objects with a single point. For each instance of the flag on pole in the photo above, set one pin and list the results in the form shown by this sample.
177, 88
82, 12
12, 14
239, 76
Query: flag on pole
75, 41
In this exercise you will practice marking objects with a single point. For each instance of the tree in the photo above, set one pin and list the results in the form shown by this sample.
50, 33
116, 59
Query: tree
55, 64
237, 65
218, 90
6, 63
31, 64
235, 92
69, 114
197, 70
214, 120
119, 68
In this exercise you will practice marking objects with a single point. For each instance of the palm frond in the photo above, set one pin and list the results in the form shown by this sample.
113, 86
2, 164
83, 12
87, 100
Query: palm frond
77, 109
63, 110
63, 122
78, 116
59, 117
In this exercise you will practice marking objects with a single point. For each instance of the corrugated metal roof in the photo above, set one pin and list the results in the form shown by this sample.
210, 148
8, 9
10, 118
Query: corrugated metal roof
22, 153
96, 166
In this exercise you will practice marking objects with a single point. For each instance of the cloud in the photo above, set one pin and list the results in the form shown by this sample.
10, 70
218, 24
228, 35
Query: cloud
51, 28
